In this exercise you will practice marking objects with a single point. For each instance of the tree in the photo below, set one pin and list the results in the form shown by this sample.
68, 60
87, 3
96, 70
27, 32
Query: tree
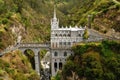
86, 34
67, 71
92, 66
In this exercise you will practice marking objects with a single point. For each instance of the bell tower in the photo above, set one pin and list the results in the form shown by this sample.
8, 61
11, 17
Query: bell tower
54, 21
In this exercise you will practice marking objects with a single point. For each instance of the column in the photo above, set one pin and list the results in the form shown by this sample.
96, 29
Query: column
37, 61
52, 68
58, 66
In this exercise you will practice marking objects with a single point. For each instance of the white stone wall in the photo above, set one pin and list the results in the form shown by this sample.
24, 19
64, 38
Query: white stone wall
59, 58
65, 38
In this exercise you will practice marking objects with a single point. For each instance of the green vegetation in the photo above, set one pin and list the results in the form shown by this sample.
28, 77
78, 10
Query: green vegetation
57, 77
94, 61
42, 53
34, 16
16, 66
86, 34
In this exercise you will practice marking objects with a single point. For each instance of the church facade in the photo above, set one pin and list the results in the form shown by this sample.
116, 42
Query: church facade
62, 39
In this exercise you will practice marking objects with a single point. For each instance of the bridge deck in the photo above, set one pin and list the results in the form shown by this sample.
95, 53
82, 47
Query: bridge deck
46, 45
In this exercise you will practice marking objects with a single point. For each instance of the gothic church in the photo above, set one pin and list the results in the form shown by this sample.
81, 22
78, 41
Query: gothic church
62, 40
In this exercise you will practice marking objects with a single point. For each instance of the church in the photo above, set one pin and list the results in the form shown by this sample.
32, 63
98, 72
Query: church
62, 39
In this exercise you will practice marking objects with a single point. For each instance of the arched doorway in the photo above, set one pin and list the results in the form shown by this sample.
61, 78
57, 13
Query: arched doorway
55, 66
30, 55
60, 65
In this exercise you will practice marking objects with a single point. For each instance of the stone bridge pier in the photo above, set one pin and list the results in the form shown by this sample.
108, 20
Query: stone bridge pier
36, 58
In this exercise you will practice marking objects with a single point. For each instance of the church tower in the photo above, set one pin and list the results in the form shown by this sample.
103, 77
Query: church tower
54, 21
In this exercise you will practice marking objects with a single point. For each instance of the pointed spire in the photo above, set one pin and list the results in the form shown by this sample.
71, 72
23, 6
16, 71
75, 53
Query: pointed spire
66, 27
54, 12
76, 26
62, 26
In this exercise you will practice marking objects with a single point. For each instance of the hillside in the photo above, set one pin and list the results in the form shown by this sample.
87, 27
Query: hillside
31, 19
104, 15
93, 61
16, 66
27, 18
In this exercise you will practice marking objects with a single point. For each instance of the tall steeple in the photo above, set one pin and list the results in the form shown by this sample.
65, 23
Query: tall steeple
54, 13
54, 21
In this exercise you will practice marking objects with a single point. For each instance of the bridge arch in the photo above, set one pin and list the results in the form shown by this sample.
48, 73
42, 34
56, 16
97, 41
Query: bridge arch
36, 58
30, 55
36, 48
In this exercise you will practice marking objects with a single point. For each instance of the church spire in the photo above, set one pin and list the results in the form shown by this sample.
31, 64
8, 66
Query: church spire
54, 12
54, 21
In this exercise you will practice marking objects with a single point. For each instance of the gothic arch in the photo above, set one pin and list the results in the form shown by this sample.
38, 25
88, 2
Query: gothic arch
55, 53
55, 66
65, 53
60, 35
60, 65
56, 34
64, 35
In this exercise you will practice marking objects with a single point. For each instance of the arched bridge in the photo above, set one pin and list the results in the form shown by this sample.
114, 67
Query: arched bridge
35, 47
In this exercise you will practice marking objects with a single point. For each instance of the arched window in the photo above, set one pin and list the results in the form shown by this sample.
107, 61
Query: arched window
60, 65
56, 35
64, 43
55, 66
65, 53
60, 35
56, 44
60, 43
64, 35
79, 35
68, 35
55, 54
52, 45
69, 43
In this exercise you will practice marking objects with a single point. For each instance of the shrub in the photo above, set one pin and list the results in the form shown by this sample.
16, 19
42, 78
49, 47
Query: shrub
2, 72
80, 49
96, 28
67, 71
9, 71
86, 34
58, 76
4, 21
33, 76
20, 76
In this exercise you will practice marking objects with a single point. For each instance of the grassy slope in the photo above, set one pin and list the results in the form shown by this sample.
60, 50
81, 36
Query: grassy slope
104, 13
16, 66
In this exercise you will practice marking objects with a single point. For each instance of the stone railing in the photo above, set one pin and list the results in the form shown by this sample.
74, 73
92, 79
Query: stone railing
9, 49
45, 45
